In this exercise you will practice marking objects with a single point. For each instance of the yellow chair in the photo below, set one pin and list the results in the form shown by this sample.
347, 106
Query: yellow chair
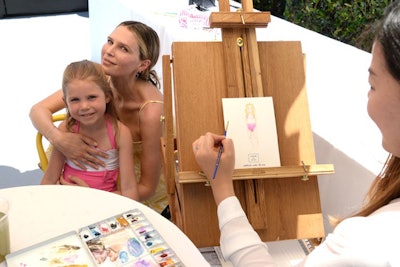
43, 160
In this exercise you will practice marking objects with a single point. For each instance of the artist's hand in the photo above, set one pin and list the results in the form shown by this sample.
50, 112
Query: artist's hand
78, 148
74, 181
205, 150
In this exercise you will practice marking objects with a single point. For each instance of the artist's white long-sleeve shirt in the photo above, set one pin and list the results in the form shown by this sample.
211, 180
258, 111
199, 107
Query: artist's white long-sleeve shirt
357, 241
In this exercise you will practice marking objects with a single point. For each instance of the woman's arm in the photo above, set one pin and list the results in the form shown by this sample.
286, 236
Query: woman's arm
73, 146
126, 165
239, 242
41, 114
151, 162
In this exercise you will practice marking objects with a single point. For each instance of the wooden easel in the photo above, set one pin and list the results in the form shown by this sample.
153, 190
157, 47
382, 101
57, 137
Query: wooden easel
281, 203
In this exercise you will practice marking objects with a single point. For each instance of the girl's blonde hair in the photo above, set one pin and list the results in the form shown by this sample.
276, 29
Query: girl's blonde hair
88, 70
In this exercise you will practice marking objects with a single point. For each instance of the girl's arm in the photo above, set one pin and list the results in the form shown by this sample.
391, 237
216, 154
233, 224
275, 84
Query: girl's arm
126, 165
151, 162
55, 166
73, 146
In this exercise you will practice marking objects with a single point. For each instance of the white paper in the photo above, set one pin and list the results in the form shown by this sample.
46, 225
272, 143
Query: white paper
252, 128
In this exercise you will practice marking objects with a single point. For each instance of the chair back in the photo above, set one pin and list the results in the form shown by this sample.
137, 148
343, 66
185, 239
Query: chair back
43, 160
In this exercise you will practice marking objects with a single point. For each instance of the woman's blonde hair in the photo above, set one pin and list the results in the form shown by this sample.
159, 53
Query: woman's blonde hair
149, 48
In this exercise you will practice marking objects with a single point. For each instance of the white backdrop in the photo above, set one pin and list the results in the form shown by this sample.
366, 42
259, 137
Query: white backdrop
34, 53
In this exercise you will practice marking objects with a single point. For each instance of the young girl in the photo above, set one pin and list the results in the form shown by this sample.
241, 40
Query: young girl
91, 111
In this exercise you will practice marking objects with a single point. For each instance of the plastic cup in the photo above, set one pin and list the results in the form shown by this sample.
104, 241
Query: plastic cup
4, 229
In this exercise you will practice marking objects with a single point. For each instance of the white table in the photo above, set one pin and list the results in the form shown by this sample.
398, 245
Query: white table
40, 212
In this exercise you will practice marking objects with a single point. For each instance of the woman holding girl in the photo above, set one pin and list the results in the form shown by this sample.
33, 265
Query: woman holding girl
128, 56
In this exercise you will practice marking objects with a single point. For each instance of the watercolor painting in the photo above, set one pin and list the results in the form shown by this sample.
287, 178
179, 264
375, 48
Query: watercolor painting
252, 127
63, 251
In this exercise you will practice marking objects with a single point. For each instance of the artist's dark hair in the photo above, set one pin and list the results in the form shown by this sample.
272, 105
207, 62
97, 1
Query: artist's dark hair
388, 36
386, 186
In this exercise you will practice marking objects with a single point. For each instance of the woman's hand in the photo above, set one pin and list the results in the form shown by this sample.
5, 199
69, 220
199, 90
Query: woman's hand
78, 148
205, 150
75, 181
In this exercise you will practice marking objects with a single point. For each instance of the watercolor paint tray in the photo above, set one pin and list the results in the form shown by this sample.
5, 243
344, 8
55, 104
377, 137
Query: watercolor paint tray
126, 239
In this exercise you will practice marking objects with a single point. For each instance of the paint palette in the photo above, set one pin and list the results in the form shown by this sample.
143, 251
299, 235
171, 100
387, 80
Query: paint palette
126, 239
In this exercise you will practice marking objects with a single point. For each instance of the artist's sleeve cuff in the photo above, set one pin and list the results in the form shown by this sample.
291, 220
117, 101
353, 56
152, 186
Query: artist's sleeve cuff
228, 210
